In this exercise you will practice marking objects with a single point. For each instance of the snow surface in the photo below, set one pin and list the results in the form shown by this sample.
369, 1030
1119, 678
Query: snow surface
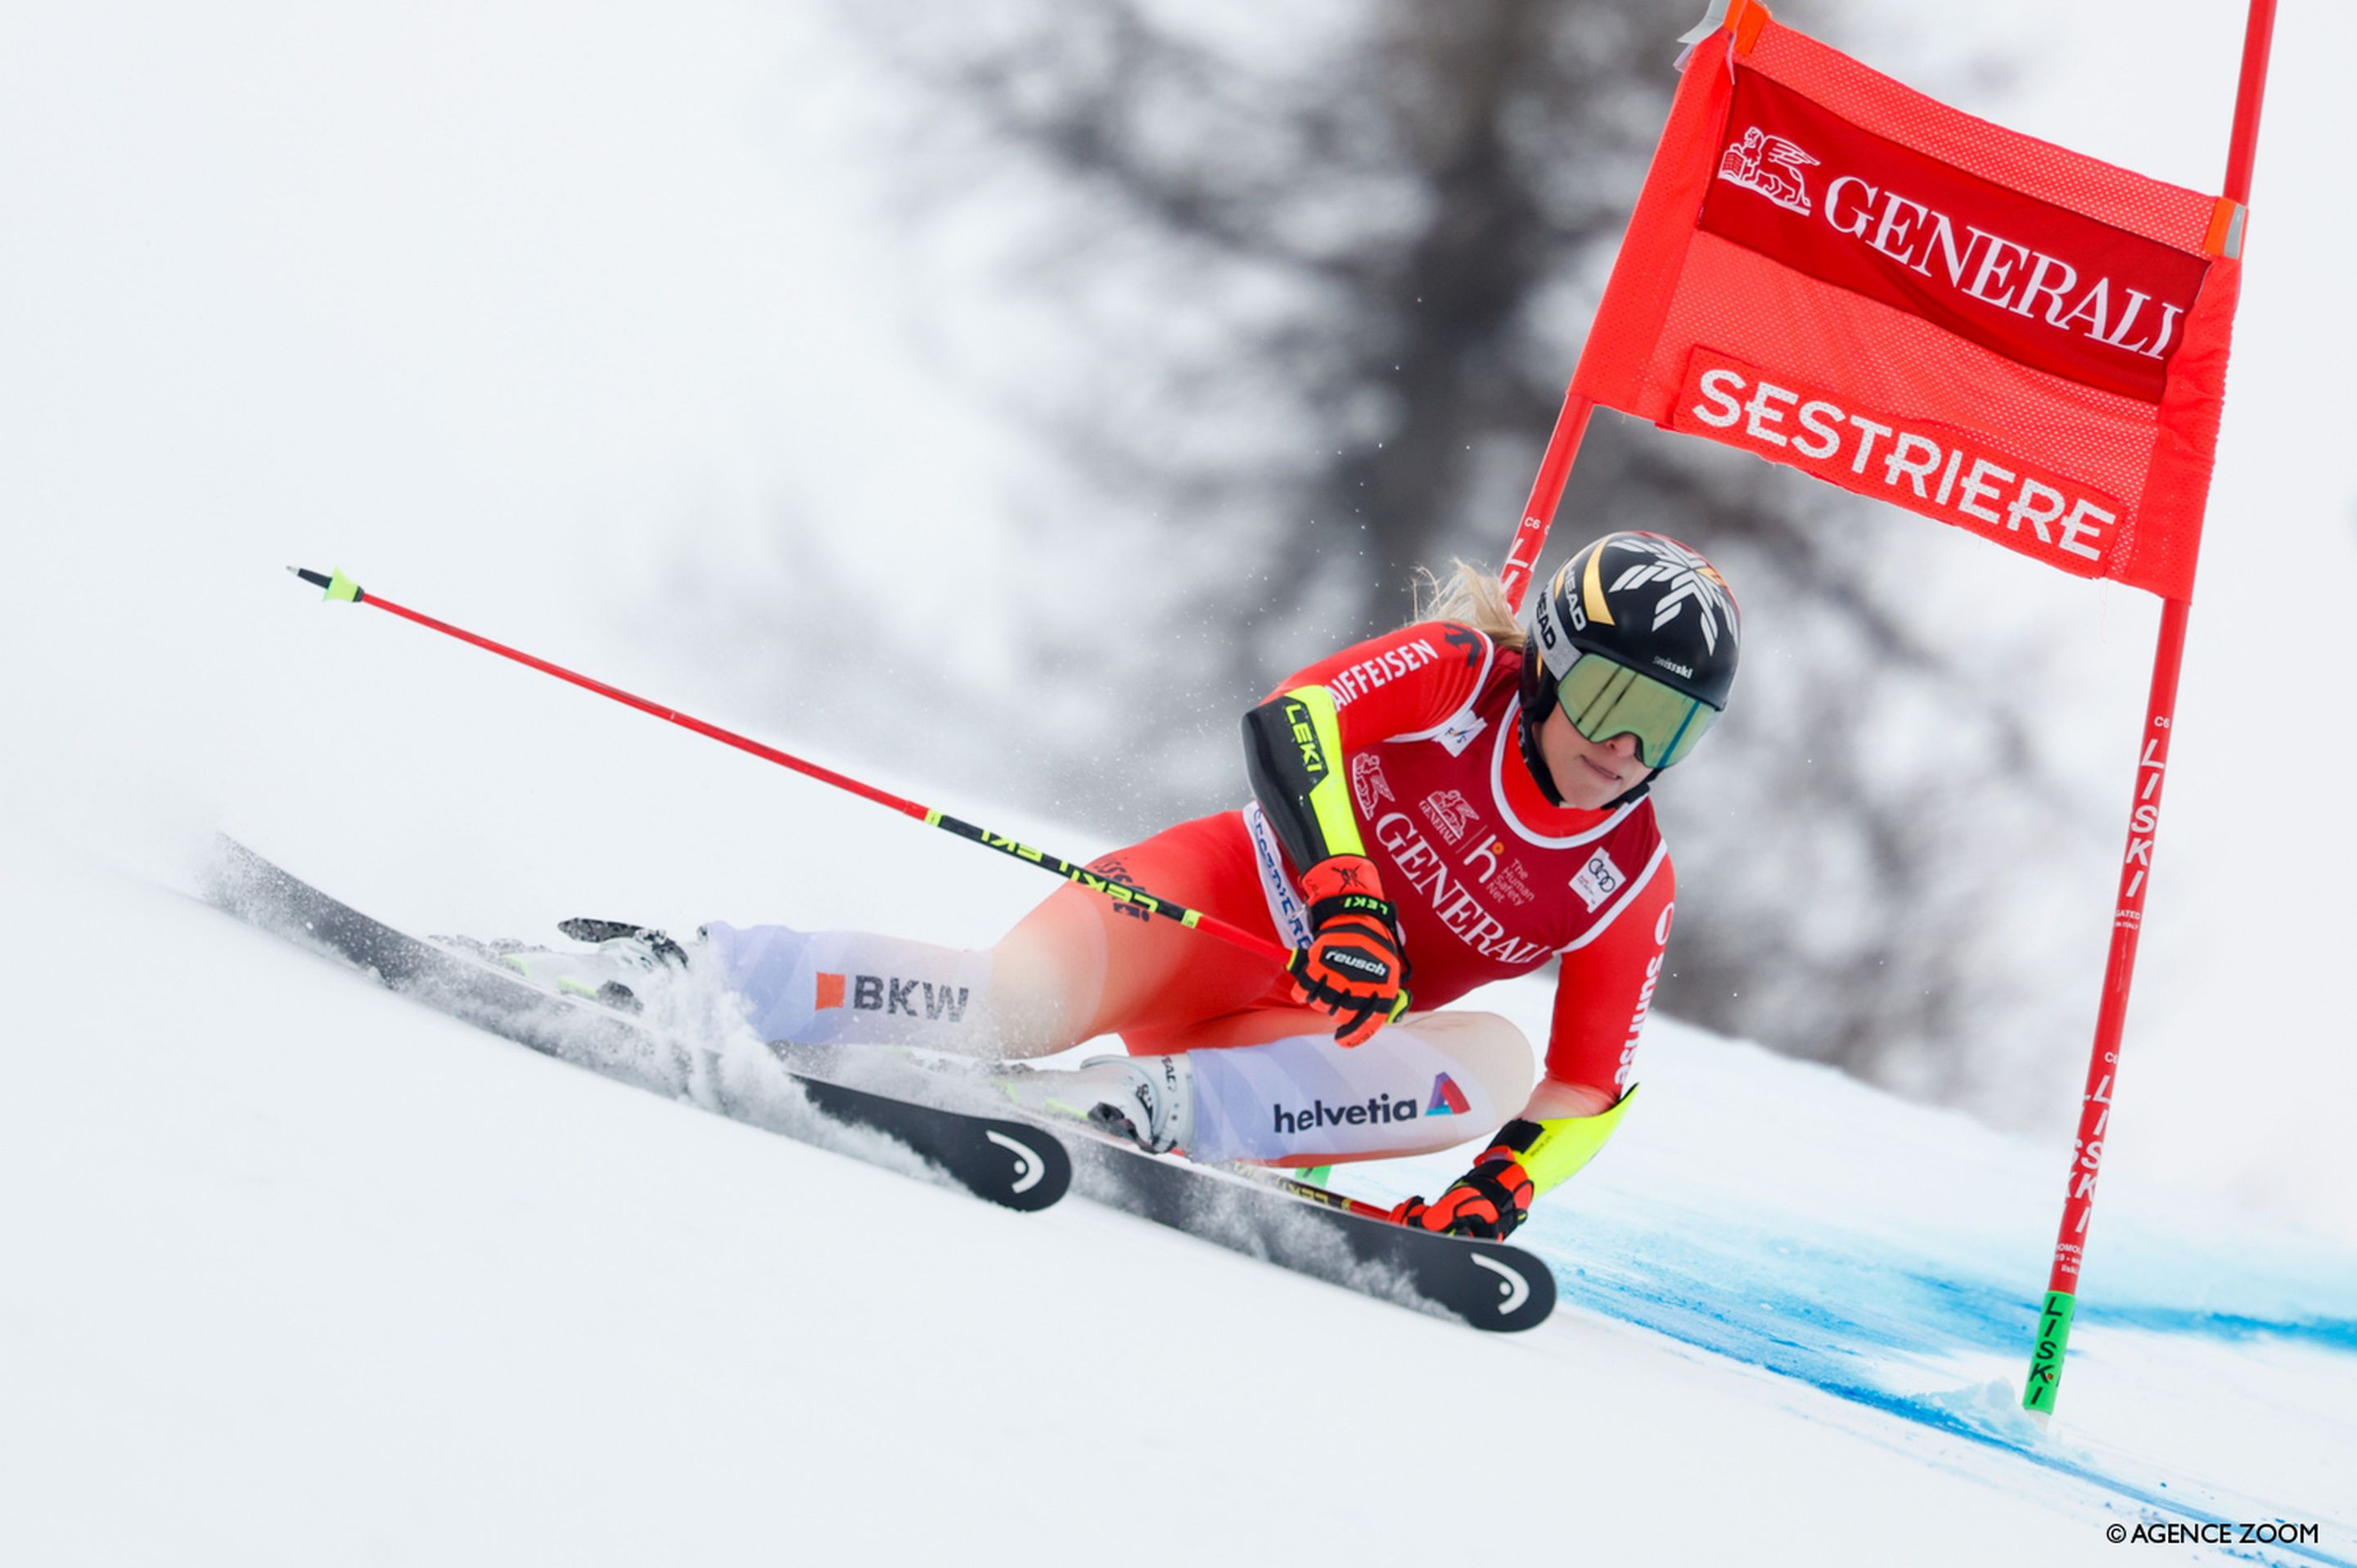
485, 303
300, 1271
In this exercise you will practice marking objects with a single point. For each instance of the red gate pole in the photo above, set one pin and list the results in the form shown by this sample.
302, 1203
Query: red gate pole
2119, 974
2136, 872
1538, 513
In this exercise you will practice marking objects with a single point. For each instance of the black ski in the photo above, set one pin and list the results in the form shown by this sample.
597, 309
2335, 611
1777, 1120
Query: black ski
1009, 1162
1489, 1285
946, 1118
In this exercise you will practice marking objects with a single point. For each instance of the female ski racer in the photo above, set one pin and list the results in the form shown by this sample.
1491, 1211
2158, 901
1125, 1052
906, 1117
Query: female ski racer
1451, 803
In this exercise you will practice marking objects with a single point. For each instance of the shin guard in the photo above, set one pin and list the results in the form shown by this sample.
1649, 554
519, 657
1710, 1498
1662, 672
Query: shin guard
1305, 1097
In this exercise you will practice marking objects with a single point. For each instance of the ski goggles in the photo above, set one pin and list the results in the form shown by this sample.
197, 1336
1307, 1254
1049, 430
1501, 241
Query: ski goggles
1603, 699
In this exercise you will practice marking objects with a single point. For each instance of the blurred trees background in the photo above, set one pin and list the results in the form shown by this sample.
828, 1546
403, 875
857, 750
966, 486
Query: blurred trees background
1293, 298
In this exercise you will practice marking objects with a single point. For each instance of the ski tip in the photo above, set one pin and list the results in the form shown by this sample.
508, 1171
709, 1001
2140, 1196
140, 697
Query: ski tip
1524, 1288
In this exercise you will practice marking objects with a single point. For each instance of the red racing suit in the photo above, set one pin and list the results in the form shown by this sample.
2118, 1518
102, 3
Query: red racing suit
1488, 879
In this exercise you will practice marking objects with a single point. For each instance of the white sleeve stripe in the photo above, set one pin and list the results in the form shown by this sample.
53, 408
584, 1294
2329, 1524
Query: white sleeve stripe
1660, 852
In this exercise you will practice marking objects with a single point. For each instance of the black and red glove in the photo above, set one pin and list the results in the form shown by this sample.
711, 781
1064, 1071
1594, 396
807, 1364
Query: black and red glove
1487, 1201
1352, 968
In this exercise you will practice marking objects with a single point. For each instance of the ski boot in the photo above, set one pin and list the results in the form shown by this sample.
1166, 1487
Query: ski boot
1149, 1100
623, 961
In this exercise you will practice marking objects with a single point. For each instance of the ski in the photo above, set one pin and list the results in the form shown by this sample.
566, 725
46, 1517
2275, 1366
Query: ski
1489, 1285
1008, 1161
945, 1117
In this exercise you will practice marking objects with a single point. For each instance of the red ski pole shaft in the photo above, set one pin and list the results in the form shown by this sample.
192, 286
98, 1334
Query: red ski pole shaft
340, 587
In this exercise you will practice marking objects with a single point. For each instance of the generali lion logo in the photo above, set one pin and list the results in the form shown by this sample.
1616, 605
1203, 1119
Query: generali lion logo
1771, 166
1368, 783
1449, 811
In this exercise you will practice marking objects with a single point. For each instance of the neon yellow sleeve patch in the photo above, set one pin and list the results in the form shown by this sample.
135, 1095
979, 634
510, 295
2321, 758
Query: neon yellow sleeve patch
1565, 1145
1318, 730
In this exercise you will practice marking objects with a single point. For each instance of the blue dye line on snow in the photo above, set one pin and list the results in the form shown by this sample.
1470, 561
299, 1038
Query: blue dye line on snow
1812, 1299
1929, 1412
1834, 1315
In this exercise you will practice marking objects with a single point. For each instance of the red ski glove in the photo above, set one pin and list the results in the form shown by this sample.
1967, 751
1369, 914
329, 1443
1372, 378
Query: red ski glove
1352, 968
1487, 1201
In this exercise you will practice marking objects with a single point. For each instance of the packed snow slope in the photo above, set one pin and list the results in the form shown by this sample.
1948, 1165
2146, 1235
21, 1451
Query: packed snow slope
494, 304
299, 1270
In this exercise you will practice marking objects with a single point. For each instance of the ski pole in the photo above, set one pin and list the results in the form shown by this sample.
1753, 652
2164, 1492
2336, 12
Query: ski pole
1321, 1195
343, 589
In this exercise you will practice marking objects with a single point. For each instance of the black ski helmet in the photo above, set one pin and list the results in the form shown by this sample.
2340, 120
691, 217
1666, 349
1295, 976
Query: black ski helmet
1660, 626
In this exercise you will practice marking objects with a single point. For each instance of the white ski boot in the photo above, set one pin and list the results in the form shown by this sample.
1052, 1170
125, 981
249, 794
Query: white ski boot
1149, 1099
625, 962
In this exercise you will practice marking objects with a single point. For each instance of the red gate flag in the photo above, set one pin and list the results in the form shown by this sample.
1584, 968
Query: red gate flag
1834, 272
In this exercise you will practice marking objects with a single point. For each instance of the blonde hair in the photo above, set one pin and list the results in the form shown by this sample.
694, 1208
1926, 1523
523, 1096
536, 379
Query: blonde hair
1473, 596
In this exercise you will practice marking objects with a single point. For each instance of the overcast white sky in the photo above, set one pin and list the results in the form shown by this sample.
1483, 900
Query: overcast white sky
489, 303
